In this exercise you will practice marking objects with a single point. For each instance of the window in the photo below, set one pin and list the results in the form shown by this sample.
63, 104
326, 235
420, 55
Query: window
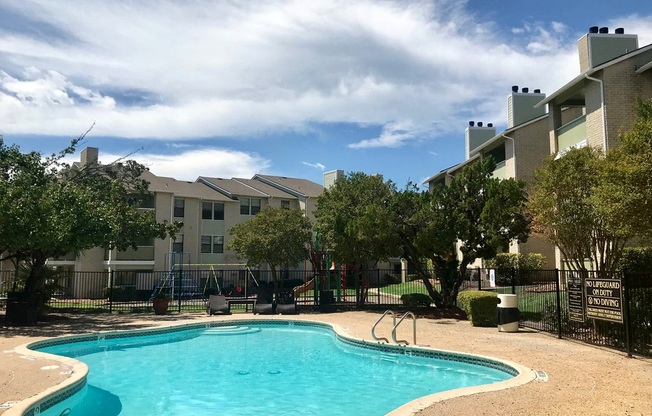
177, 244
179, 207
249, 206
218, 211
285, 204
212, 244
212, 211
244, 206
218, 244
205, 243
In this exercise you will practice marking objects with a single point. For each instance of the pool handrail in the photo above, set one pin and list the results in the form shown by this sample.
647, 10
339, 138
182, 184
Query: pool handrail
373, 328
414, 329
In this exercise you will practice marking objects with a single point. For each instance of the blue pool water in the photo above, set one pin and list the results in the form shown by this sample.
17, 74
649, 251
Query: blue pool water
254, 370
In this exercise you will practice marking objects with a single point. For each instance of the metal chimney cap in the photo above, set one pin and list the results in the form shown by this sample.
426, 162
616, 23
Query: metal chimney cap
471, 123
490, 124
593, 29
479, 123
525, 90
604, 30
620, 31
514, 88
537, 91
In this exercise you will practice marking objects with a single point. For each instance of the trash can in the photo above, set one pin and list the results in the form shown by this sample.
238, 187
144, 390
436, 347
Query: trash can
507, 313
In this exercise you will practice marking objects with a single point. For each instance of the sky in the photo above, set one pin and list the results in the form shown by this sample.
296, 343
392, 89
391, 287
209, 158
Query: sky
289, 88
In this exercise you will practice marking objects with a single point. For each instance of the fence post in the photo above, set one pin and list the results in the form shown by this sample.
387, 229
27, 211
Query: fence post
557, 289
179, 287
627, 321
513, 281
111, 291
479, 280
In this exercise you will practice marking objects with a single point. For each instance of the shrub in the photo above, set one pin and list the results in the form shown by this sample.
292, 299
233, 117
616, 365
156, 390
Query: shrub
412, 277
120, 293
391, 279
636, 260
416, 300
480, 307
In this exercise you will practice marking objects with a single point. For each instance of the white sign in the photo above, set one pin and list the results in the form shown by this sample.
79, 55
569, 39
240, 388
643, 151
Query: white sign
492, 278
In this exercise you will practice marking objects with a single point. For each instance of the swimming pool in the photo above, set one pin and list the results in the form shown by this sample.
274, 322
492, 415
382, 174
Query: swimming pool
243, 368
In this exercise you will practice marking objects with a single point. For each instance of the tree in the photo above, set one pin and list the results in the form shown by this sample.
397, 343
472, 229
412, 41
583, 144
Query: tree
352, 220
590, 205
49, 209
275, 236
475, 216
567, 211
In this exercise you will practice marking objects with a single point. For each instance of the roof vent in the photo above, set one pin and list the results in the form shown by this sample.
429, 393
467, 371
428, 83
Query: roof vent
490, 124
620, 31
593, 29
479, 123
604, 30
471, 123
515, 88
525, 90
537, 91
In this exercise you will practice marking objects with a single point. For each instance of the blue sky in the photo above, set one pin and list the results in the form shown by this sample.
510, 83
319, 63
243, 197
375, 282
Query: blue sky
290, 88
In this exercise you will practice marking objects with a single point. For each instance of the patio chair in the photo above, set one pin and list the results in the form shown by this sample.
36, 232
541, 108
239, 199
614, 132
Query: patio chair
218, 303
265, 299
286, 304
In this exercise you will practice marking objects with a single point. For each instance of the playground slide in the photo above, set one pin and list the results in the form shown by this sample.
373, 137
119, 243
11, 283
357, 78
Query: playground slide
303, 288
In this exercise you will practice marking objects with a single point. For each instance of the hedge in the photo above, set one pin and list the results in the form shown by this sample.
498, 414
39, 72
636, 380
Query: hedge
416, 300
480, 307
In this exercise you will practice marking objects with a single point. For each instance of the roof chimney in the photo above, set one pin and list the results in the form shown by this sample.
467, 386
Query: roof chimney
89, 155
477, 135
599, 46
520, 106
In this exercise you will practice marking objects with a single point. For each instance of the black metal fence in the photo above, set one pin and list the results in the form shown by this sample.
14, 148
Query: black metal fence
133, 291
553, 301
613, 311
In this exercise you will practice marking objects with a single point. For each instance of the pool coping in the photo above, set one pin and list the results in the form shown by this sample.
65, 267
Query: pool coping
78, 370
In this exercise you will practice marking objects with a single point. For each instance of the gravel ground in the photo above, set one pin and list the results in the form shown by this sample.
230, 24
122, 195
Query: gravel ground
582, 380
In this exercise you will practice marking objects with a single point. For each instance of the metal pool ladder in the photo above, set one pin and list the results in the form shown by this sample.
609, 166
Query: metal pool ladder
395, 325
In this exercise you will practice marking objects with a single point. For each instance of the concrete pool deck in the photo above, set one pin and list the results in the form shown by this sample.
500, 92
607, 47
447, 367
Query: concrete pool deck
582, 380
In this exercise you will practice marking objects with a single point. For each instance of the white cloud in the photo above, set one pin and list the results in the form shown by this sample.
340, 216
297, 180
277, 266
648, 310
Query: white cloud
188, 165
178, 70
315, 165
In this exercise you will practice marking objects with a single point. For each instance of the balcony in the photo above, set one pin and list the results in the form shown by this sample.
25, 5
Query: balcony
501, 171
571, 134
143, 253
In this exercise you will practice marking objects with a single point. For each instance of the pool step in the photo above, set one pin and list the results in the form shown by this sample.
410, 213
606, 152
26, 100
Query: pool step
230, 330
387, 357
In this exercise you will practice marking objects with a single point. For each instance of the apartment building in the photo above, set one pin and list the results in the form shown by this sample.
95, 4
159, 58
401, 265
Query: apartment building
614, 74
591, 109
518, 151
208, 207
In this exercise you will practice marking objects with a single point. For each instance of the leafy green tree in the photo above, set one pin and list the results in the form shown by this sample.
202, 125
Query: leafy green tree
473, 217
567, 210
275, 236
49, 209
352, 220
590, 205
